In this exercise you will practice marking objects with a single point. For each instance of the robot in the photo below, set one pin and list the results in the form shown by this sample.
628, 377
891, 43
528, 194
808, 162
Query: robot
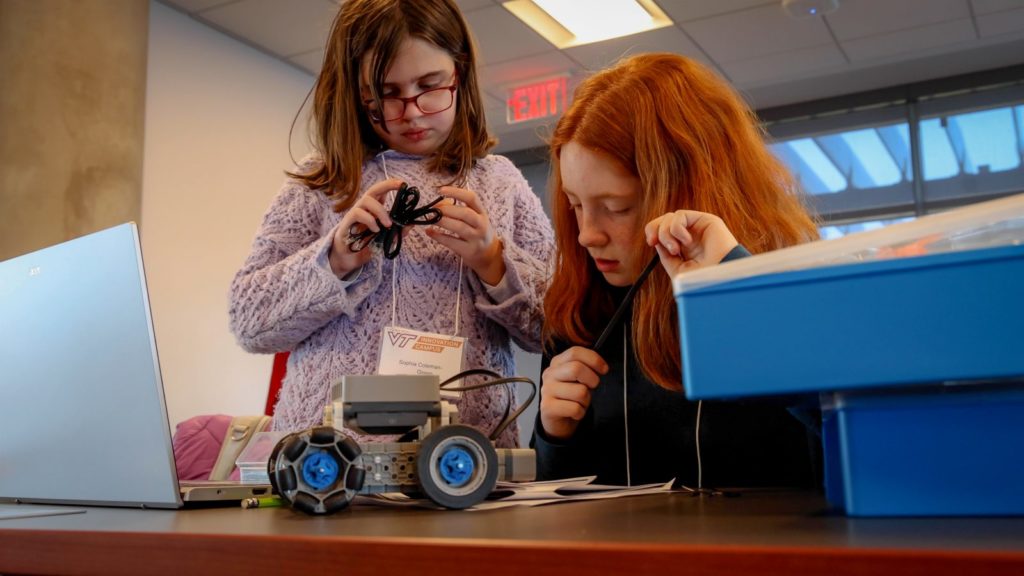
320, 470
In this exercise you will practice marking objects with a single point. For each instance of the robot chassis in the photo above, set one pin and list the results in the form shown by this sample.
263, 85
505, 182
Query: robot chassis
320, 470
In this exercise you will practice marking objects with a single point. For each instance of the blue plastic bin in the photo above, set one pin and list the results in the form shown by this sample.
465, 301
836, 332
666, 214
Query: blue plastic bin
930, 451
877, 339
927, 319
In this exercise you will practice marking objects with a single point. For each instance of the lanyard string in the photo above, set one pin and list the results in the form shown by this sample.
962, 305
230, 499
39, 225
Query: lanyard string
625, 414
625, 389
696, 438
394, 271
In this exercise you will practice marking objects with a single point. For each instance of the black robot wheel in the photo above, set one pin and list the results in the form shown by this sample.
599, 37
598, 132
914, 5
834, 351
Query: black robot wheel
457, 466
271, 472
315, 470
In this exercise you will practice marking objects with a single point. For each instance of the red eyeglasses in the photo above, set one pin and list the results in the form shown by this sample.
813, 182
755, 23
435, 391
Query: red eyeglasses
428, 102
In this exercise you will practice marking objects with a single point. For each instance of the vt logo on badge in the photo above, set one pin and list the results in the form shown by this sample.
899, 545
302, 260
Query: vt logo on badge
405, 351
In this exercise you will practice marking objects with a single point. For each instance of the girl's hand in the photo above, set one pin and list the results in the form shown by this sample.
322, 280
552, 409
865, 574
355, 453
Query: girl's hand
687, 239
471, 235
565, 394
363, 215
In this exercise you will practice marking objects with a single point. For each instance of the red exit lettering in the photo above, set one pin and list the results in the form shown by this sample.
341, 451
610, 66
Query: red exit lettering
538, 100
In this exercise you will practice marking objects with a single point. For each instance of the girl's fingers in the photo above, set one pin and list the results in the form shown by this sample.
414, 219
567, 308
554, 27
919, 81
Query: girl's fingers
463, 230
463, 213
363, 217
456, 245
669, 262
574, 372
373, 199
374, 207
467, 197
678, 228
651, 230
585, 356
380, 189
666, 239
574, 392
671, 231
555, 408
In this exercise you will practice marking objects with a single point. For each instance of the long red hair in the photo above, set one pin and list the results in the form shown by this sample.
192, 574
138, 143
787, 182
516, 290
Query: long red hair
694, 144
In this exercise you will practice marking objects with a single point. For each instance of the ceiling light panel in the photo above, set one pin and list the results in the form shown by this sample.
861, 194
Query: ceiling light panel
567, 23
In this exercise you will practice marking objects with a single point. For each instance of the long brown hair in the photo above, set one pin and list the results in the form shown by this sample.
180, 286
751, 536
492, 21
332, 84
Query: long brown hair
694, 144
342, 132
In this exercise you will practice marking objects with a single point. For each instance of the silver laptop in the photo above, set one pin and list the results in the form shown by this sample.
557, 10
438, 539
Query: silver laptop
82, 412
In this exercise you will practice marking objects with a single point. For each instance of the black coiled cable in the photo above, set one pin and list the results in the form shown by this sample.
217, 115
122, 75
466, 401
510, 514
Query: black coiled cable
404, 212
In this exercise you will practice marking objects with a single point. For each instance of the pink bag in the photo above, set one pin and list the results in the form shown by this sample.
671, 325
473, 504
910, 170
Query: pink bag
197, 443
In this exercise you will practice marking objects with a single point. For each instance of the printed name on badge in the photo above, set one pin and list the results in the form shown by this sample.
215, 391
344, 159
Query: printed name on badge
407, 351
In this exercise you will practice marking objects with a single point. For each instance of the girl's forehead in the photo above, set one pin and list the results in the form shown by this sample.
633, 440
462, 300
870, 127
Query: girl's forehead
414, 59
593, 175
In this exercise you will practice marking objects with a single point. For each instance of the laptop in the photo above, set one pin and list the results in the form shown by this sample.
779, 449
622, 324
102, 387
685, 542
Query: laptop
82, 413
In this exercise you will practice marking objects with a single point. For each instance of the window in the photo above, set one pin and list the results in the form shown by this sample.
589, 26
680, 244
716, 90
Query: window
850, 164
858, 167
974, 153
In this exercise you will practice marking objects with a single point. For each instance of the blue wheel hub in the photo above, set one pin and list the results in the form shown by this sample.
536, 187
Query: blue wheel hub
456, 466
319, 470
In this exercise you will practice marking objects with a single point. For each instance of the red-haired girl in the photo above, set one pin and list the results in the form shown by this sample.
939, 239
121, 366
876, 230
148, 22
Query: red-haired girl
657, 155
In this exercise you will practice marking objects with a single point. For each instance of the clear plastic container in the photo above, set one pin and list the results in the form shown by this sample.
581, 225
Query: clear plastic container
252, 462
984, 225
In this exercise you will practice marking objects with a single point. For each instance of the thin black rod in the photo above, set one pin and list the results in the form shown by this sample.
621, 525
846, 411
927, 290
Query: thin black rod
625, 303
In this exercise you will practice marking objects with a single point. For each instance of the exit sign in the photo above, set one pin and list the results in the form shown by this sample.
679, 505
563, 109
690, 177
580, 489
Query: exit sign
545, 99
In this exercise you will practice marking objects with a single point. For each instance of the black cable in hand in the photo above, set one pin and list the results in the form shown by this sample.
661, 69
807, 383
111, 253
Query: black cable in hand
625, 303
404, 212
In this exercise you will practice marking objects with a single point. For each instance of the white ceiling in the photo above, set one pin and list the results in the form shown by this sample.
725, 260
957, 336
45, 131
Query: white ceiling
771, 58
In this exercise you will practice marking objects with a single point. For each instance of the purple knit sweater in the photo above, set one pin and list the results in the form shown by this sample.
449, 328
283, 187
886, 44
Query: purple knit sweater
285, 297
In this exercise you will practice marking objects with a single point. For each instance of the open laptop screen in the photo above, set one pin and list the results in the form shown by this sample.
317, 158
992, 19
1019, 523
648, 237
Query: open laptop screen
82, 415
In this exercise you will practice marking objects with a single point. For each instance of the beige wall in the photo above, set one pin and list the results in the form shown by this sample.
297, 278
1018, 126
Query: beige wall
71, 118
216, 147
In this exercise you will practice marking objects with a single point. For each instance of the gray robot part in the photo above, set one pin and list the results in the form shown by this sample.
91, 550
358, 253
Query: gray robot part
320, 470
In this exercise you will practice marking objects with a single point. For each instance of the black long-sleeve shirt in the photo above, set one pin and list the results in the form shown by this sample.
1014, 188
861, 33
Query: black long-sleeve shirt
742, 443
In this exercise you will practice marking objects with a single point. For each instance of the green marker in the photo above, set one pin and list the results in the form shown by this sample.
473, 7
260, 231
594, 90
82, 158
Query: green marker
268, 502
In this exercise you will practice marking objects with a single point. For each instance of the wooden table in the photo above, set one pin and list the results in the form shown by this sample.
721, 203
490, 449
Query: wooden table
756, 533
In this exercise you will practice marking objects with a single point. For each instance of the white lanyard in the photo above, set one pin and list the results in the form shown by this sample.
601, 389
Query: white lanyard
410, 351
625, 388
394, 274
625, 414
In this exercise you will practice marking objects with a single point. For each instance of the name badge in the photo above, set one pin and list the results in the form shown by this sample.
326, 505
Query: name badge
406, 351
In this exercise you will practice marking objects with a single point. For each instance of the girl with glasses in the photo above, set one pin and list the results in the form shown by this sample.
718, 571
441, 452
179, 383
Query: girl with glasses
398, 118
657, 156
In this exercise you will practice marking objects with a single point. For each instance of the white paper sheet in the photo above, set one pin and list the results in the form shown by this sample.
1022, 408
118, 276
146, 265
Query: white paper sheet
507, 494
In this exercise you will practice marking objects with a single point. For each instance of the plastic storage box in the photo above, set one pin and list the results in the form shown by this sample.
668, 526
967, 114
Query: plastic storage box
934, 451
894, 328
922, 302
953, 316
252, 461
